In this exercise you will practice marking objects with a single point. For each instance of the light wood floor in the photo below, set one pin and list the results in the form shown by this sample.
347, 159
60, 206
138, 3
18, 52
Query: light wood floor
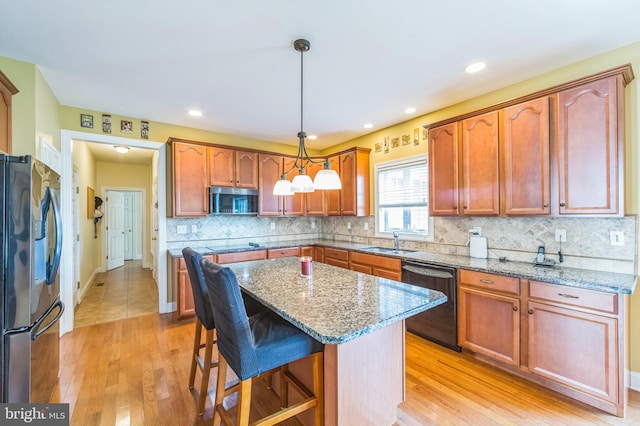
123, 292
134, 371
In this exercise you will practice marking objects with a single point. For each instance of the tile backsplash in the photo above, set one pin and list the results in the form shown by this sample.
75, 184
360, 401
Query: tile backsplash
588, 243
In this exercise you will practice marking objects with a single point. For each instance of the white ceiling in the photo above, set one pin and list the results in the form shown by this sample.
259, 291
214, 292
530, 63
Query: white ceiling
234, 60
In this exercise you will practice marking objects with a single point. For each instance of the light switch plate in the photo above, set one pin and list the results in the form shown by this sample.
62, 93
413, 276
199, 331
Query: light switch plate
561, 235
617, 238
366, 226
273, 225
181, 229
194, 229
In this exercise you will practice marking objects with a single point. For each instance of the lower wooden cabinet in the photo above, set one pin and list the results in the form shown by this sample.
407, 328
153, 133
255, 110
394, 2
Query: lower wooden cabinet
380, 266
336, 257
283, 252
186, 306
318, 254
571, 340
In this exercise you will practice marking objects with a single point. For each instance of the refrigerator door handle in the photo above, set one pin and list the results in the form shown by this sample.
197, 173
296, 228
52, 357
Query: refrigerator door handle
36, 330
50, 198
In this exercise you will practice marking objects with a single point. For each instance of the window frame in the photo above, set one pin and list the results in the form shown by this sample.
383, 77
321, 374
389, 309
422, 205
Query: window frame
405, 161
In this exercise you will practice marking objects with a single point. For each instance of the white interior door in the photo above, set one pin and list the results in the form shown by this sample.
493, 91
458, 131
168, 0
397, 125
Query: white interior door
115, 229
76, 234
128, 212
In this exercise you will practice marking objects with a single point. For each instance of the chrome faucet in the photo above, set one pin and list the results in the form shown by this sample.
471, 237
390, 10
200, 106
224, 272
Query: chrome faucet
396, 240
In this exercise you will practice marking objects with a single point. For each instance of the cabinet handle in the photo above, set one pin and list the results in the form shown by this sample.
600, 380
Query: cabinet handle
530, 311
561, 204
568, 296
487, 281
545, 205
464, 207
515, 309
455, 207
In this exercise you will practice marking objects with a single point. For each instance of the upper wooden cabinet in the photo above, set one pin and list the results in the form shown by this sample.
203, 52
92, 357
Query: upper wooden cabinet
190, 180
293, 204
480, 170
269, 172
228, 167
7, 90
555, 152
443, 170
315, 203
589, 148
524, 152
353, 198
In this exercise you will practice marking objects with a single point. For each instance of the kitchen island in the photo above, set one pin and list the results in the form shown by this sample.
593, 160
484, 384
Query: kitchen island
359, 318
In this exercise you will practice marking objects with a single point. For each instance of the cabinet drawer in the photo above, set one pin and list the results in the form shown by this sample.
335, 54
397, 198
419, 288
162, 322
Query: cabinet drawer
182, 265
242, 256
283, 252
336, 254
373, 260
597, 300
499, 283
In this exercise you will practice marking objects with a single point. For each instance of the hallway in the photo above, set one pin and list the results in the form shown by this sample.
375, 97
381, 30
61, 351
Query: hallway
125, 292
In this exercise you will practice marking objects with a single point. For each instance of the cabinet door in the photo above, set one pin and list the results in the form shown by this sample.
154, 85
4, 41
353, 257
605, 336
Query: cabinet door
577, 349
190, 180
269, 173
524, 141
365, 269
220, 166
293, 204
5, 116
589, 148
246, 169
186, 305
348, 193
480, 172
489, 324
318, 254
333, 196
443, 170
315, 204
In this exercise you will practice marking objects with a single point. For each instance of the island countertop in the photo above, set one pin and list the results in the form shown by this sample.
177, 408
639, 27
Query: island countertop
334, 305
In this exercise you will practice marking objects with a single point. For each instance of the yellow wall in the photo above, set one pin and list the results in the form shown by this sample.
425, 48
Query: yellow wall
89, 250
47, 114
23, 104
119, 176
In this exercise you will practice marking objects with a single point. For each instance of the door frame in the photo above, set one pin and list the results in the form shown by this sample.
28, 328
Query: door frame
143, 222
66, 198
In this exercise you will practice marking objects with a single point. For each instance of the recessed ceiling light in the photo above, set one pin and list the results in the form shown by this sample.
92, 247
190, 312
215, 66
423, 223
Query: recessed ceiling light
478, 66
195, 113
368, 126
410, 110
121, 149
312, 137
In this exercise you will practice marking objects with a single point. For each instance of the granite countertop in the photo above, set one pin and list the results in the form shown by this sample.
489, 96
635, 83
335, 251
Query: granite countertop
572, 277
334, 305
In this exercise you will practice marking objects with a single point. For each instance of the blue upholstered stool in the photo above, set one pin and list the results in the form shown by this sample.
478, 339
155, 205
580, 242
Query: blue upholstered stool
204, 318
254, 346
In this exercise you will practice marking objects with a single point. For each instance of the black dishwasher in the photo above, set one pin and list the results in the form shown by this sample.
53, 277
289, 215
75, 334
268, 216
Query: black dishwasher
439, 324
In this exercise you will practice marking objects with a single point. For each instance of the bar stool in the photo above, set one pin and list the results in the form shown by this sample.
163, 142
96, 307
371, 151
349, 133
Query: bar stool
204, 319
255, 346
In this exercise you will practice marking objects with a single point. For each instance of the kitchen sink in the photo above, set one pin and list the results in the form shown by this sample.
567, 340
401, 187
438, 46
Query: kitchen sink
387, 250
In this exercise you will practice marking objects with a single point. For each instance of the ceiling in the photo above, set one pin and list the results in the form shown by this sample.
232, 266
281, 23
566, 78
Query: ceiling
235, 61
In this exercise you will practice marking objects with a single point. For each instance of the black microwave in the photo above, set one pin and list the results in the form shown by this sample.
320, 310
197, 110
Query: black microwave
239, 201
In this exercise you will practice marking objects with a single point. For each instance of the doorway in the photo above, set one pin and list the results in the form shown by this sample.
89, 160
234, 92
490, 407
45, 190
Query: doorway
125, 226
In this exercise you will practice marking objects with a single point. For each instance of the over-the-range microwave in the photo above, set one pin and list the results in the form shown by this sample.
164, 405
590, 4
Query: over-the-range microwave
240, 201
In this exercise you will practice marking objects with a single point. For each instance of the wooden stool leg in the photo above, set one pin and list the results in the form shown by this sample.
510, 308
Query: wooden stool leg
206, 371
221, 384
196, 351
244, 403
318, 386
284, 386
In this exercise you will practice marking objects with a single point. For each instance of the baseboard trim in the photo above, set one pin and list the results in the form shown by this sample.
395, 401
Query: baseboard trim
169, 307
634, 380
82, 291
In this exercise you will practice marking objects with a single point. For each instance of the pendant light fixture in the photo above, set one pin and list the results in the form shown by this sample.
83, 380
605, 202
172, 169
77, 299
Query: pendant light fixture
326, 178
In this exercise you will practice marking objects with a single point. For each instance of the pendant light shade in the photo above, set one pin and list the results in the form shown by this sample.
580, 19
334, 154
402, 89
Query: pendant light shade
325, 179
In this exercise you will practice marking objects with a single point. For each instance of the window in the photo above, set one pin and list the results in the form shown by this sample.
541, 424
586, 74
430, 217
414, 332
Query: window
402, 194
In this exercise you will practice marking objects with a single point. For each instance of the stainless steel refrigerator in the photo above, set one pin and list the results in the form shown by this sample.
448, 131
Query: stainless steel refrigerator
31, 235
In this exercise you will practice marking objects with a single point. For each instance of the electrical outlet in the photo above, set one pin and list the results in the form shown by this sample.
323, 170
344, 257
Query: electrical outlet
561, 235
476, 231
366, 226
194, 229
273, 226
348, 225
181, 229
617, 238
313, 225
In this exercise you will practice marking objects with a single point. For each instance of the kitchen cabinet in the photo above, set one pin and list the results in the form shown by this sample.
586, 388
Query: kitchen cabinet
190, 183
283, 252
489, 315
589, 148
318, 254
306, 251
353, 198
380, 266
315, 203
242, 256
7, 90
336, 257
480, 165
292, 204
186, 305
235, 168
270, 170
524, 153
443, 170
574, 340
